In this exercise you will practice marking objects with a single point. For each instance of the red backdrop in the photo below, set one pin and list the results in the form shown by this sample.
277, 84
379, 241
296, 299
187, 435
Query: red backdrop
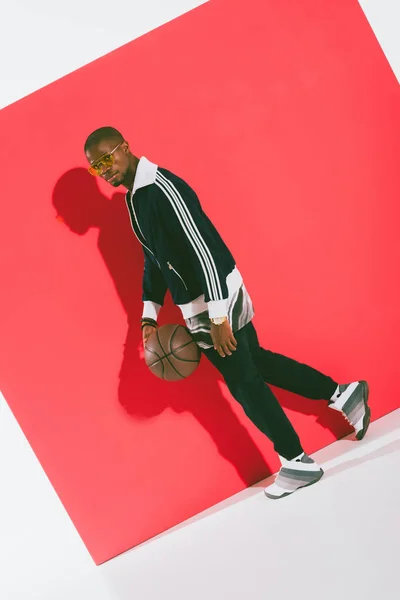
284, 118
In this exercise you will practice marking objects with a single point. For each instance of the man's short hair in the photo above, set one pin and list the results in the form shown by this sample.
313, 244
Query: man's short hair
101, 134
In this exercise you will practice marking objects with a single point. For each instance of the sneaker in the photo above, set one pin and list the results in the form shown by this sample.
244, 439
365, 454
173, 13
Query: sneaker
294, 474
352, 401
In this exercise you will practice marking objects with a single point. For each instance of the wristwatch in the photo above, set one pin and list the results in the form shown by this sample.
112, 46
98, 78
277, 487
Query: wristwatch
219, 320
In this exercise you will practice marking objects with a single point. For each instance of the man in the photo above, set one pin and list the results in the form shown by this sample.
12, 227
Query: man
183, 252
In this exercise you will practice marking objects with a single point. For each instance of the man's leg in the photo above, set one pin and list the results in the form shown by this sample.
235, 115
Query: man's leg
247, 386
349, 399
288, 374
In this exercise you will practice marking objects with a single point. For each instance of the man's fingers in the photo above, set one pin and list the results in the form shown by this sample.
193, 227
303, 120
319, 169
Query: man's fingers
232, 345
220, 351
226, 348
147, 333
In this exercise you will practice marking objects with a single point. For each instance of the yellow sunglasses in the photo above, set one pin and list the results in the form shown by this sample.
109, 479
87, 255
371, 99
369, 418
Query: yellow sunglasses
104, 162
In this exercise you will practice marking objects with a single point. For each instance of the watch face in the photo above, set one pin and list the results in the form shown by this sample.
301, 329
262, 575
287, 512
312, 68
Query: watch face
218, 321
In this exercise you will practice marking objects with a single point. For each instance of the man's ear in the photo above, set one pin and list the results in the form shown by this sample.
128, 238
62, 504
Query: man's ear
125, 147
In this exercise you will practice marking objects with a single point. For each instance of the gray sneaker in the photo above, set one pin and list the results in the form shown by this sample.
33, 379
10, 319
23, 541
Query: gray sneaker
352, 401
293, 475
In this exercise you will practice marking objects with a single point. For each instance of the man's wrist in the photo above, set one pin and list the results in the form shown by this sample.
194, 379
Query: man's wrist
148, 322
150, 310
218, 320
217, 308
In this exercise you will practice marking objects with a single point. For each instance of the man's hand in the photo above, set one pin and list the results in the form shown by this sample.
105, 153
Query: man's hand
146, 332
223, 338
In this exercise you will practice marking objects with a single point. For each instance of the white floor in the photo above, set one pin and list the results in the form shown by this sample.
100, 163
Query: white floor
337, 539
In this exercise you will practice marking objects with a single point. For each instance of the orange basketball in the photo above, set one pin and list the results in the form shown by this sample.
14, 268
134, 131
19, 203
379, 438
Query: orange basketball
171, 353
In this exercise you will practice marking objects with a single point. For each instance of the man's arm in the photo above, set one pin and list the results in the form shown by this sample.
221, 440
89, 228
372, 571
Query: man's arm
154, 288
181, 211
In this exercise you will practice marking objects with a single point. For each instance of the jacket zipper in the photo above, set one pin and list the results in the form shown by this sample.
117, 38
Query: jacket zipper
176, 272
141, 233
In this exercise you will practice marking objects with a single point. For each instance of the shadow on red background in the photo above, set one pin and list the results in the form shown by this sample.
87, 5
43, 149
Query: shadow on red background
80, 204
298, 140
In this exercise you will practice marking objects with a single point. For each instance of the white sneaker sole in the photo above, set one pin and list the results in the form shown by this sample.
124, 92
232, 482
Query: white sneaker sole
276, 497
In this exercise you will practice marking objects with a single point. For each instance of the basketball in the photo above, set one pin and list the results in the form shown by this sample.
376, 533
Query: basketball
171, 353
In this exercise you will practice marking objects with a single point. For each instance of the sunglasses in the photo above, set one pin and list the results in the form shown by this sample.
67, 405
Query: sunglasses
104, 162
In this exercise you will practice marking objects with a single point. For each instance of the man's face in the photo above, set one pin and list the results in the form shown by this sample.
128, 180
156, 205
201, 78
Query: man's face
110, 160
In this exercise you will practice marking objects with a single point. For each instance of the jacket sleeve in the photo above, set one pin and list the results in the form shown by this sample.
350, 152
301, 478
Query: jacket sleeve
181, 214
154, 288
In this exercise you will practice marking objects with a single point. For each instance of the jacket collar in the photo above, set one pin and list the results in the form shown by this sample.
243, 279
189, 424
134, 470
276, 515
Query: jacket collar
145, 174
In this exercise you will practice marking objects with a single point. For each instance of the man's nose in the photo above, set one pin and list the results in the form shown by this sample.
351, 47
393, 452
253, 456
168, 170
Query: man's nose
105, 169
